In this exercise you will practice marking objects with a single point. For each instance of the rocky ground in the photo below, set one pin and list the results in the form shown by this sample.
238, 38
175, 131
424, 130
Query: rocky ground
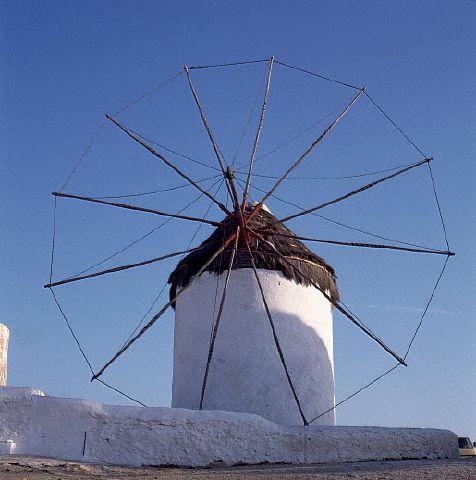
19, 468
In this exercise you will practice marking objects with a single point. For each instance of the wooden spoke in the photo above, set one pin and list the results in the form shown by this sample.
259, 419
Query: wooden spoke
164, 308
135, 208
217, 322
121, 268
258, 132
229, 179
361, 245
308, 151
167, 162
355, 192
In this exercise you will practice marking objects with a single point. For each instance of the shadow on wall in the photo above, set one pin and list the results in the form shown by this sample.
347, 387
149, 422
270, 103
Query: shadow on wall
310, 368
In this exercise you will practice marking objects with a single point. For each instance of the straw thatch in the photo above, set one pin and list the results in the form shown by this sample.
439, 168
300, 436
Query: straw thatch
311, 265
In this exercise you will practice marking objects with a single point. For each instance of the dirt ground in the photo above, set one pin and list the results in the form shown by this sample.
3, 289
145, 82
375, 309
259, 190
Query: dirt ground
29, 468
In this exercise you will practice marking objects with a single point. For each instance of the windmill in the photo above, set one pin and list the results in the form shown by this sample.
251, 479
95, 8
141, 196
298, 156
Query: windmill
270, 283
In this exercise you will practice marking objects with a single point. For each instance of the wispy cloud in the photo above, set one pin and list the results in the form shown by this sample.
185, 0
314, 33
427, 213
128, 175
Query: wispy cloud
407, 308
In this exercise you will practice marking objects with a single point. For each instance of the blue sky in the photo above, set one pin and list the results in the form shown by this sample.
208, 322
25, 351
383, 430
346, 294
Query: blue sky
66, 64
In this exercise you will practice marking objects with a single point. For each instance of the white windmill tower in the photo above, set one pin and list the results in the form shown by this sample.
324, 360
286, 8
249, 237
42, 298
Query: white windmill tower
268, 349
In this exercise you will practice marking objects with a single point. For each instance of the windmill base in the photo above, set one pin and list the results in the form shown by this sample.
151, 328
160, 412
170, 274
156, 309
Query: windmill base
87, 431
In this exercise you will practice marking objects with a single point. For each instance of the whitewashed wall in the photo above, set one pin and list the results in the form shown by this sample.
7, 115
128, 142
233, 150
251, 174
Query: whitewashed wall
246, 374
4, 334
84, 430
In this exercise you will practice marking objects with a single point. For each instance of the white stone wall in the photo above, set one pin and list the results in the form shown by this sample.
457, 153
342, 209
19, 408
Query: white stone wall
88, 431
246, 374
4, 335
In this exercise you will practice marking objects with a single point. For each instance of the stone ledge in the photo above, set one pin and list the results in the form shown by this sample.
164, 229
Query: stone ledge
88, 431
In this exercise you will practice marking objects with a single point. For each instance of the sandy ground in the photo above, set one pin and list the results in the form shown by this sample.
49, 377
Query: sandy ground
18, 468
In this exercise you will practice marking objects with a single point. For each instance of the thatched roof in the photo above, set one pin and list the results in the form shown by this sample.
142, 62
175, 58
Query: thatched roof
311, 265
